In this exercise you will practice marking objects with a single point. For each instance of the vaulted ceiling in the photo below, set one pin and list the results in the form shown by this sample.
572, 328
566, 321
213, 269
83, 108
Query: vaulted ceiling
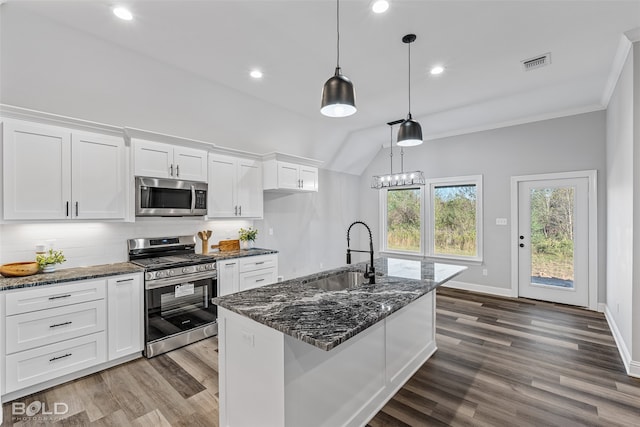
480, 43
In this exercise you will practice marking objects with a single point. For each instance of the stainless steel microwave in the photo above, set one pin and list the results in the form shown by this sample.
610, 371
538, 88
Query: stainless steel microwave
170, 197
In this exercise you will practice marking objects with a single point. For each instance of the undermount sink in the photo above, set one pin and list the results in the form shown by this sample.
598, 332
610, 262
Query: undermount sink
339, 282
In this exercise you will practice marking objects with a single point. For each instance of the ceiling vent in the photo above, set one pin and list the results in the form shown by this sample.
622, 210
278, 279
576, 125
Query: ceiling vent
536, 62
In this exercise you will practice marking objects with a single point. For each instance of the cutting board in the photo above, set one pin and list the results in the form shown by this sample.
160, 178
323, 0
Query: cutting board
227, 245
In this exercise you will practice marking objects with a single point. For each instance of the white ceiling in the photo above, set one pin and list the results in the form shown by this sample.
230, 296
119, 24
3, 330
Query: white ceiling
481, 44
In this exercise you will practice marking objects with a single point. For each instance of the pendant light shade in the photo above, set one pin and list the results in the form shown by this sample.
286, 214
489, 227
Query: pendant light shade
410, 131
338, 95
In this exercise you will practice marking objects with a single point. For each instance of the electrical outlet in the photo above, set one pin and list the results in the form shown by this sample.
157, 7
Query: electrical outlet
501, 221
270, 231
321, 265
485, 272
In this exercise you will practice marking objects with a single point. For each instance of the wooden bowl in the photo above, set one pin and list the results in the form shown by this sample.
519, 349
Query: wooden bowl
16, 269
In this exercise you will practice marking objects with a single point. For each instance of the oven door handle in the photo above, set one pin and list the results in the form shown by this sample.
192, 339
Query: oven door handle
169, 281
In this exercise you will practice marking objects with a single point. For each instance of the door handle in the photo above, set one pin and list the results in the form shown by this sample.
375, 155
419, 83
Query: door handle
67, 208
521, 237
178, 171
522, 245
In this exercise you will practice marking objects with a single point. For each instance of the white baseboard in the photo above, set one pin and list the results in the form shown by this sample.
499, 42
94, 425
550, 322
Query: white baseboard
483, 289
601, 307
632, 367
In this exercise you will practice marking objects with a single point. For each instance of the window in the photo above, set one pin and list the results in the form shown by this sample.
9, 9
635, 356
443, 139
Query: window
456, 218
446, 224
402, 220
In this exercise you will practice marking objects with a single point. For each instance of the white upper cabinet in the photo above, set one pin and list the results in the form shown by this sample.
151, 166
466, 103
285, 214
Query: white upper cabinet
289, 175
160, 160
51, 172
235, 187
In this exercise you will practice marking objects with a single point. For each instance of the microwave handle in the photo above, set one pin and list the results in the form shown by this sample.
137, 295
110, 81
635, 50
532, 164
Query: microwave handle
193, 198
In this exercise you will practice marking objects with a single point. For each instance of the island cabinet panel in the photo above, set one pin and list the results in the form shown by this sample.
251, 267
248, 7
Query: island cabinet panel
287, 382
252, 373
409, 334
331, 388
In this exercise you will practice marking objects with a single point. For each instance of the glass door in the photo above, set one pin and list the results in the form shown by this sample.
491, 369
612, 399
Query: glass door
553, 240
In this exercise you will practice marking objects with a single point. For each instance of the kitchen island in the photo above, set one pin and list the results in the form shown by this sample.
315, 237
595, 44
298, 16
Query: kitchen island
291, 354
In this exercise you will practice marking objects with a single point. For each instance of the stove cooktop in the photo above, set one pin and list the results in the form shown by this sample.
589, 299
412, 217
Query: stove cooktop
164, 262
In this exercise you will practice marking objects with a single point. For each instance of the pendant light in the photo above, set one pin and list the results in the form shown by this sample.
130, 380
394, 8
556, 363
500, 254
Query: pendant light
410, 132
338, 95
401, 179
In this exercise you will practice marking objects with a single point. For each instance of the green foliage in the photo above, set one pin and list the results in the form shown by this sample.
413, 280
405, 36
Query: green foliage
51, 257
455, 220
552, 222
248, 234
403, 220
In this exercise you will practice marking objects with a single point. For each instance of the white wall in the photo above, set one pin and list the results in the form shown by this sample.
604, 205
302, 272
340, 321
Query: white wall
96, 243
620, 194
54, 68
310, 229
558, 145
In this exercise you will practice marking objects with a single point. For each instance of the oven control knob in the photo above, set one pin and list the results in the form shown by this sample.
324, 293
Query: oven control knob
185, 270
148, 276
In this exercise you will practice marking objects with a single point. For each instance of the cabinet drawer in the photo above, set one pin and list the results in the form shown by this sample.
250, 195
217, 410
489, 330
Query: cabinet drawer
30, 367
38, 328
257, 278
40, 298
253, 263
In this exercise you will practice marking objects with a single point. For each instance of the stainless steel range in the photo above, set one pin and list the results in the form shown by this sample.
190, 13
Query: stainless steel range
179, 285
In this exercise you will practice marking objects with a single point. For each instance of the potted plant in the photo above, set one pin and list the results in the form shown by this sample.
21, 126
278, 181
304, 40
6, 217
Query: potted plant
248, 237
48, 260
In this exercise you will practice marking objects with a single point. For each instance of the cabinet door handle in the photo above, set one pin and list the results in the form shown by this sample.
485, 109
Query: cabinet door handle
302, 185
235, 210
60, 324
60, 357
229, 265
178, 171
76, 208
259, 280
60, 296
240, 211
67, 208
124, 280
259, 263
171, 169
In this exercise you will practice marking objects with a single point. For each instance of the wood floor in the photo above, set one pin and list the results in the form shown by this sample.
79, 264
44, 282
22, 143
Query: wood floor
500, 362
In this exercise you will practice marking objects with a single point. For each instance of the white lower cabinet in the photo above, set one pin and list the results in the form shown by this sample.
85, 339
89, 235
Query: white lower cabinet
125, 311
41, 364
240, 274
59, 330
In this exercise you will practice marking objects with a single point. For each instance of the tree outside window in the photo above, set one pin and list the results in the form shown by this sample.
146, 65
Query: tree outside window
454, 208
403, 220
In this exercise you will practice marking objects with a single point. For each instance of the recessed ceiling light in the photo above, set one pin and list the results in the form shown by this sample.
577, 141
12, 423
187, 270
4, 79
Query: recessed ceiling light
380, 6
123, 13
256, 74
438, 69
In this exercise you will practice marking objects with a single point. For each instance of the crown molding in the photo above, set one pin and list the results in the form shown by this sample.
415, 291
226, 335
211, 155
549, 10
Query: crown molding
19, 113
135, 133
292, 159
624, 47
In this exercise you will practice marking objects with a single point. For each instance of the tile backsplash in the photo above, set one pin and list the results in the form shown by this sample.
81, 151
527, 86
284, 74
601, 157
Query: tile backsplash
93, 243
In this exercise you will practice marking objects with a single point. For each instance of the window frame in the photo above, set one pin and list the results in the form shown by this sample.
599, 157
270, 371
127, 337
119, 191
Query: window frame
427, 219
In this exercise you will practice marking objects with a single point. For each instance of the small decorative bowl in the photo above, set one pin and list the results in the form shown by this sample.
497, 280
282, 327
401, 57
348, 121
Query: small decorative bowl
17, 269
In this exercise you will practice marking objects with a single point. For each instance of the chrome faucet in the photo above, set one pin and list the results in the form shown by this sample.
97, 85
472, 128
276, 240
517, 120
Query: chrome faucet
369, 273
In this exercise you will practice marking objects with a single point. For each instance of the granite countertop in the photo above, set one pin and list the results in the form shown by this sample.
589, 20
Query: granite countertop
326, 319
69, 275
219, 256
